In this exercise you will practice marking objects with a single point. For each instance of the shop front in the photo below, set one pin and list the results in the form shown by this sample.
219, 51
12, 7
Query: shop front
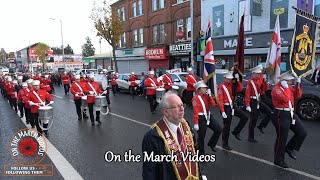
89, 63
158, 60
179, 55
132, 60
256, 49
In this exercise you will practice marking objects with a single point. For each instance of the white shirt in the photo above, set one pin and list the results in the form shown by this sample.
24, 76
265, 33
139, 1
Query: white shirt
173, 128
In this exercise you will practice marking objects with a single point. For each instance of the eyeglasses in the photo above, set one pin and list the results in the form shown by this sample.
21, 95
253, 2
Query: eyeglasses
179, 106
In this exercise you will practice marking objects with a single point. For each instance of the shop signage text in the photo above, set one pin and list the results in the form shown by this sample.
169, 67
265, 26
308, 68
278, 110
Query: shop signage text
155, 53
231, 43
180, 49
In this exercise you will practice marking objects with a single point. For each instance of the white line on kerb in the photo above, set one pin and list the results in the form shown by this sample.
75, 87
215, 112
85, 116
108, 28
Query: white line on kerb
64, 167
232, 151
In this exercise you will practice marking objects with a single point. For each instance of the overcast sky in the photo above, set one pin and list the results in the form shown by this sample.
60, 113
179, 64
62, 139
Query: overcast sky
23, 21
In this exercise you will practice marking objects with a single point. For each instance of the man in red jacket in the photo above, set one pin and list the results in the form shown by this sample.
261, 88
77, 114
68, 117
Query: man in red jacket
65, 78
167, 81
191, 80
114, 83
283, 98
21, 98
27, 107
151, 85
36, 99
228, 110
92, 89
202, 117
45, 84
78, 89
254, 89
133, 84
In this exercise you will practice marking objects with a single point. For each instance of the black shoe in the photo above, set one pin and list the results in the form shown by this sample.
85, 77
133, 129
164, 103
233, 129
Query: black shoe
46, 133
281, 164
212, 148
153, 112
252, 140
98, 120
32, 126
79, 118
260, 129
237, 136
92, 124
226, 147
85, 117
28, 122
291, 153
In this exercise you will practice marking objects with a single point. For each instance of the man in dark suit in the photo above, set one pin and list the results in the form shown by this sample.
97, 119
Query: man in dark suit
171, 134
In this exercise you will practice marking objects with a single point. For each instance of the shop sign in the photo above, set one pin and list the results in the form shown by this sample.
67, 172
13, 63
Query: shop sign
179, 49
85, 61
155, 53
128, 52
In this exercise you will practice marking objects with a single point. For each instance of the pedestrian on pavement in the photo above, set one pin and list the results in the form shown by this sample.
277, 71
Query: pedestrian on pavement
283, 98
78, 89
38, 98
151, 84
191, 80
252, 98
202, 117
228, 108
170, 134
92, 89
65, 78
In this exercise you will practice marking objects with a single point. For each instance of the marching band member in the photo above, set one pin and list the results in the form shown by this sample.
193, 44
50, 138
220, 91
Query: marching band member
36, 99
114, 83
7, 83
21, 98
92, 89
10, 91
2, 82
78, 89
66, 82
45, 85
202, 117
14, 95
252, 99
27, 106
151, 84
84, 78
107, 89
191, 80
228, 110
283, 98
73, 78
38, 77
167, 81
133, 84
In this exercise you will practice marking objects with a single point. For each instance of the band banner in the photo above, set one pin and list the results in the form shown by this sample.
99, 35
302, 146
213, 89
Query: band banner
303, 47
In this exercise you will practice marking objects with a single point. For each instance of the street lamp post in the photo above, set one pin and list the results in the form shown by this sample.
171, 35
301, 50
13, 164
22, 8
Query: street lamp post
62, 43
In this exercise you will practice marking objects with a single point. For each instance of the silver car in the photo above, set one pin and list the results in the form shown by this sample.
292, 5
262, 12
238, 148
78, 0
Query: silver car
123, 81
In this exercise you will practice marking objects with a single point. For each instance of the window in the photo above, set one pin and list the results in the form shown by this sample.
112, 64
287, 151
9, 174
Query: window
154, 5
134, 9
140, 8
141, 36
119, 13
122, 41
161, 4
180, 29
180, 1
154, 34
135, 37
162, 33
123, 14
189, 28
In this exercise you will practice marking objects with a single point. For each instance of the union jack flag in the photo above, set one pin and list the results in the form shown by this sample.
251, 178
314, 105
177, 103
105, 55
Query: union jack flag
209, 62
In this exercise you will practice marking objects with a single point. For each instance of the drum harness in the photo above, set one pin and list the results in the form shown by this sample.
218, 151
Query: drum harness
205, 113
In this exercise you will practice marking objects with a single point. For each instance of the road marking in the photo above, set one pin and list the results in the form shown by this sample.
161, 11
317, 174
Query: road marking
64, 167
232, 151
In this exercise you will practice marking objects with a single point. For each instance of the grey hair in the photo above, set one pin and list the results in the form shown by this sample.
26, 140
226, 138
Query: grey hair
164, 100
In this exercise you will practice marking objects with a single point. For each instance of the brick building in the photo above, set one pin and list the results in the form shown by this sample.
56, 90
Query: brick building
156, 34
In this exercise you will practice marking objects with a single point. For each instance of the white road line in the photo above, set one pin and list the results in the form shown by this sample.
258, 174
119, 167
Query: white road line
232, 151
64, 167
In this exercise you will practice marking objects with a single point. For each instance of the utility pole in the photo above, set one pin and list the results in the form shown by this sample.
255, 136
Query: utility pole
191, 14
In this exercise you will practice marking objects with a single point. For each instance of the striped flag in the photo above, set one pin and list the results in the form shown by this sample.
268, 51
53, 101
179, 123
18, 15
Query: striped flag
274, 54
209, 63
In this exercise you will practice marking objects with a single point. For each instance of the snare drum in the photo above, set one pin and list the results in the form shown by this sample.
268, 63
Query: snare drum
100, 101
160, 93
45, 113
84, 101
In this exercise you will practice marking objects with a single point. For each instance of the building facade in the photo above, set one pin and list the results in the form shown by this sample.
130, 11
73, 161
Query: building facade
156, 34
260, 17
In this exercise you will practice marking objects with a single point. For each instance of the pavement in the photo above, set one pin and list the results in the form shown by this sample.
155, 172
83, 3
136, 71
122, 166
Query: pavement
77, 149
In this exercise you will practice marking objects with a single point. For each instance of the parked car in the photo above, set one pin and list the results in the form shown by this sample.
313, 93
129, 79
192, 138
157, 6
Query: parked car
307, 107
123, 81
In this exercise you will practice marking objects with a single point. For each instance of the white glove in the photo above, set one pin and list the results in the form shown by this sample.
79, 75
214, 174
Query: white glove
77, 95
248, 108
284, 84
51, 102
208, 91
152, 85
196, 127
224, 115
32, 103
265, 77
237, 76
299, 80
91, 92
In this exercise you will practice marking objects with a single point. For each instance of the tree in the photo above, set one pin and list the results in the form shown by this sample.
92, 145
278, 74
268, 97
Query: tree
87, 48
56, 50
41, 50
108, 25
68, 50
